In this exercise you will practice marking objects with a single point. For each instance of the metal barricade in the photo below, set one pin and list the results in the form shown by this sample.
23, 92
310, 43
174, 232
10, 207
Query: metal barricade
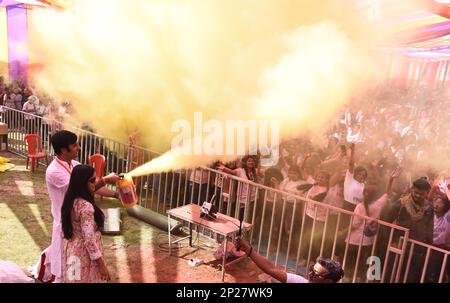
282, 230
426, 263
116, 153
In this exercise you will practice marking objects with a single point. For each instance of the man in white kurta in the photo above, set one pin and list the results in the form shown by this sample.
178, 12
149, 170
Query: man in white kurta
57, 178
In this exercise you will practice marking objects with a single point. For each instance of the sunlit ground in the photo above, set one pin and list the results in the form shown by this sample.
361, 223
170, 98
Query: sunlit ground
137, 255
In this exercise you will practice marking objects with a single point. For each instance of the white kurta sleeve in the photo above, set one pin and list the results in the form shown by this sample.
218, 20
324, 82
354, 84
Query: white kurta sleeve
58, 179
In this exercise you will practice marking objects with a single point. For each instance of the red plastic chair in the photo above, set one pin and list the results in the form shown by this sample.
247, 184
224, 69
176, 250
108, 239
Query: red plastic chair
34, 146
98, 162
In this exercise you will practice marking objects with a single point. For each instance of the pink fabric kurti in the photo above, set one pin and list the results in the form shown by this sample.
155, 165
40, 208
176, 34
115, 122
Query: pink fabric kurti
84, 248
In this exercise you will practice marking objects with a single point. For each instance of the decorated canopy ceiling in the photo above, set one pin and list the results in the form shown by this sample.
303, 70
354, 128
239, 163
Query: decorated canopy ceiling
420, 29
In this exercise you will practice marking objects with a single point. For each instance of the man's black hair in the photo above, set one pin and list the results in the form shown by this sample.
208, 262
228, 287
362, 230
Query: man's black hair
422, 184
62, 139
334, 269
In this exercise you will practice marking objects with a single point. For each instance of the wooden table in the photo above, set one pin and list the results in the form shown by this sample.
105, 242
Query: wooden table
222, 225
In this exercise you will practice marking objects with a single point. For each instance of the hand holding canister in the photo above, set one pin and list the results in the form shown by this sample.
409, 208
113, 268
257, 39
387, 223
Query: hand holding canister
127, 191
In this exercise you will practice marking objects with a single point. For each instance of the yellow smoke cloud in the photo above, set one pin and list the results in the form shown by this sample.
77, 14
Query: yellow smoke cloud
138, 66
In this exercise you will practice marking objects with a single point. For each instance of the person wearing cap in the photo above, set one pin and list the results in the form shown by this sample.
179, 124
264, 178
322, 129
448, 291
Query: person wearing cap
323, 271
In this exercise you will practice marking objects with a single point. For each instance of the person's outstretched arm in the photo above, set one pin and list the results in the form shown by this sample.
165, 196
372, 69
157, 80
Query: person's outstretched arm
264, 264
109, 179
227, 170
351, 163
100, 188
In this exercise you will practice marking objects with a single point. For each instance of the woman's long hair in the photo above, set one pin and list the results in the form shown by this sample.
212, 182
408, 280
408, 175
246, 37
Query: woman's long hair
78, 188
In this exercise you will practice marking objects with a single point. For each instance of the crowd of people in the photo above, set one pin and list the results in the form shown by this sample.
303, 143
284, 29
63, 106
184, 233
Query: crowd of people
22, 97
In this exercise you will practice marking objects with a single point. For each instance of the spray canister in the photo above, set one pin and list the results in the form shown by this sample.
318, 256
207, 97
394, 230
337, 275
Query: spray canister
127, 191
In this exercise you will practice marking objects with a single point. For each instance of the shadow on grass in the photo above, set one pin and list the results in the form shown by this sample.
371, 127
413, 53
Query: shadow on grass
20, 202
133, 235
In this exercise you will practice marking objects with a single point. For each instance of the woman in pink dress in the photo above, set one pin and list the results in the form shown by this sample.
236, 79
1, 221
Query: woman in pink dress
83, 260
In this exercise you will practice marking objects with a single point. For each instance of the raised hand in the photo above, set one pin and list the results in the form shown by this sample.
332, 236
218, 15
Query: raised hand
443, 185
438, 182
396, 172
